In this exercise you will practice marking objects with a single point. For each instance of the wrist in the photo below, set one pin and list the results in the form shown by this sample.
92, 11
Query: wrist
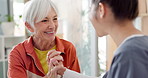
61, 71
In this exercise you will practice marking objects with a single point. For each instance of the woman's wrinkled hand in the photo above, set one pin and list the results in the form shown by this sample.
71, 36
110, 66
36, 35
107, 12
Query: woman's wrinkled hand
54, 54
55, 64
58, 69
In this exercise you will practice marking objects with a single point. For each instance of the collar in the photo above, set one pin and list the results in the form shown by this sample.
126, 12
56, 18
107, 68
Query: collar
30, 48
59, 44
31, 52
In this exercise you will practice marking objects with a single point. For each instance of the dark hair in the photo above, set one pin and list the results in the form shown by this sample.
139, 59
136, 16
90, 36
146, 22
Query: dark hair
122, 9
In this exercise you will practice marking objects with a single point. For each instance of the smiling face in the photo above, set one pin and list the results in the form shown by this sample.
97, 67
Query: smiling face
46, 28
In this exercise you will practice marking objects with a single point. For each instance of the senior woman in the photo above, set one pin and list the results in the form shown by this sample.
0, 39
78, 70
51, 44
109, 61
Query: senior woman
28, 59
115, 18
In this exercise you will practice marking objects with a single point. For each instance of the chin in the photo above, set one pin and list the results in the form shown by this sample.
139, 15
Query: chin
100, 35
50, 38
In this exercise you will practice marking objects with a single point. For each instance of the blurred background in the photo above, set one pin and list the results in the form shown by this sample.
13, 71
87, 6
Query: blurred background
95, 54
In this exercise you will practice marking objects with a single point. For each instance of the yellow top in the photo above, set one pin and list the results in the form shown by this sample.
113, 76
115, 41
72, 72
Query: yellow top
42, 57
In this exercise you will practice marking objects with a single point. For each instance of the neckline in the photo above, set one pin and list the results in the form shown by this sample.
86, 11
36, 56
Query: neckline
128, 38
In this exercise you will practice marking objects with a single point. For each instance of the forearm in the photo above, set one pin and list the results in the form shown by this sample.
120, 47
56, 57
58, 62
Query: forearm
72, 74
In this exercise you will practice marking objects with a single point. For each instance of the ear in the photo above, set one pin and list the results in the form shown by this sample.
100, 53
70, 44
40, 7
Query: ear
101, 10
29, 27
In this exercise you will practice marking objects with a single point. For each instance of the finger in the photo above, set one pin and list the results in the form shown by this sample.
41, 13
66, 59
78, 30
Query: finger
54, 62
55, 53
58, 58
51, 51
53, 73
59, 69
51, 61
51, 55
50, 66
61, 63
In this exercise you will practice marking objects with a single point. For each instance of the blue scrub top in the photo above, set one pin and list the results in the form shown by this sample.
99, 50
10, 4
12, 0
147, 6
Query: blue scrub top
130, 59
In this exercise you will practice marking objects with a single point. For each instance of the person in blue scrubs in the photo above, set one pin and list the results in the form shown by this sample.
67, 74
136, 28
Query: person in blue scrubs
115, 18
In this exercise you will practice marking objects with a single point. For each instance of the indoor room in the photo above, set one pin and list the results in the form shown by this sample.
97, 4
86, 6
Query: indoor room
94, 54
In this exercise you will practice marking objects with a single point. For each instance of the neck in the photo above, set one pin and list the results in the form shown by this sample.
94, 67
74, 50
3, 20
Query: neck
123, 30
43, 44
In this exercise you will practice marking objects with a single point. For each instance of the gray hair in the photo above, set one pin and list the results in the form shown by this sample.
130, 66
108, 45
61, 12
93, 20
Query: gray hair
37, 10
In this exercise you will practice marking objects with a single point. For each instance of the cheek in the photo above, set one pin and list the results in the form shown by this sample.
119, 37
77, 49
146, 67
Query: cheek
94, 22
38, 28
96, 25
56, 25
92, 17
37, 25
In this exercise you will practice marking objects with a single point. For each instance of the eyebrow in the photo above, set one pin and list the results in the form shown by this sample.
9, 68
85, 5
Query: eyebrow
46, 17
54, 16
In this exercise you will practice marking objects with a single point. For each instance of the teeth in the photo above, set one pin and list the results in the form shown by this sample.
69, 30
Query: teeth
49, 32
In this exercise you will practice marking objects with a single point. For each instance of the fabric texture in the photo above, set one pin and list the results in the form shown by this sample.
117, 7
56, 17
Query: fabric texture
72, 74
130, 60
42, 55
23, 59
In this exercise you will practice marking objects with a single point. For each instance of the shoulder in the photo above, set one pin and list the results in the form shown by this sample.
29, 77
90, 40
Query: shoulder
135, 49
19, 48
131, 57
67, 43
66, 46
135, 44
138, 42
20, 45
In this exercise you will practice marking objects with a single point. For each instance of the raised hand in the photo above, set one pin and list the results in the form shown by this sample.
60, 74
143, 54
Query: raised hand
54, 54
58, 67
54, 60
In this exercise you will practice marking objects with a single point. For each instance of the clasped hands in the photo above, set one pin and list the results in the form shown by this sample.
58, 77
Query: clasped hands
55, 64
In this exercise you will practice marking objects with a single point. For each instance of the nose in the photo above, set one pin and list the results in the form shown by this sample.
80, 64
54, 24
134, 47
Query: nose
51, 24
